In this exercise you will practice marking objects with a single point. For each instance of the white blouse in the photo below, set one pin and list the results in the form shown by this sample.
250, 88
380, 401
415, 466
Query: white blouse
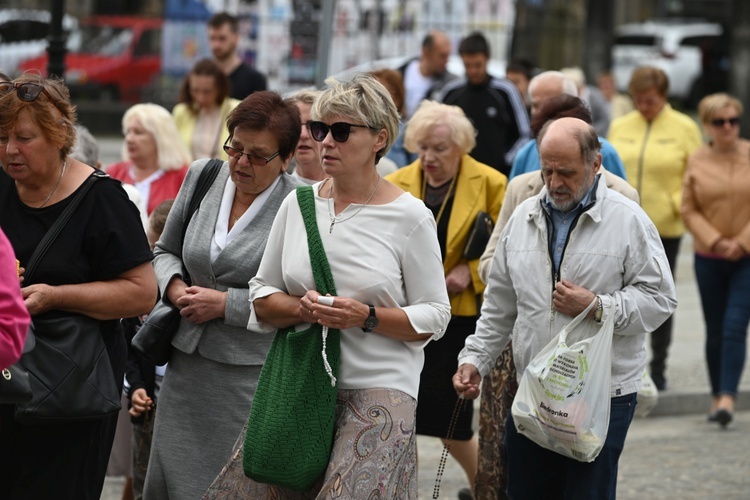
386, 255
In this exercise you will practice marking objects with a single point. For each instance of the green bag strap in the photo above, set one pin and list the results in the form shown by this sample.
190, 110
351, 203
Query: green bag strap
318, 259
319, 262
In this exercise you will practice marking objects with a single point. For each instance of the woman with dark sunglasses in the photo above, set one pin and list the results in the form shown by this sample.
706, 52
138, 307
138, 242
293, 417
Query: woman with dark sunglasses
716, 210
456, 188
99, 266
384, 256
213, 371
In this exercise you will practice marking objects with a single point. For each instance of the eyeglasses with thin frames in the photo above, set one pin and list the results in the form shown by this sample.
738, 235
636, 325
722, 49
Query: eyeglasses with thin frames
720, 122
28, 92
339, 131
255, 160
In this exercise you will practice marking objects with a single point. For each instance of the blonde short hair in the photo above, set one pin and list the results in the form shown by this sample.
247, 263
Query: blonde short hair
431, 114
172, 152
363, 99
712, 103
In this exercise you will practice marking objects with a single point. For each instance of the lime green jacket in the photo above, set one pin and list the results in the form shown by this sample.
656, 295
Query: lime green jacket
186, 120
655, 156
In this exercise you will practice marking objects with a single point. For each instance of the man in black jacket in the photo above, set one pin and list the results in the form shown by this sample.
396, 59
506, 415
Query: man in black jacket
494, 106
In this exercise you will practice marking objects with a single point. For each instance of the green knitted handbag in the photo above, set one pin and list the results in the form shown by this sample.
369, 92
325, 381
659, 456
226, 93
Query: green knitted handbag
291, 425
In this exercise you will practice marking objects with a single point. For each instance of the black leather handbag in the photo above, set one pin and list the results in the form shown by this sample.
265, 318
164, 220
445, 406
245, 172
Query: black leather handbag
479, 236
154, 338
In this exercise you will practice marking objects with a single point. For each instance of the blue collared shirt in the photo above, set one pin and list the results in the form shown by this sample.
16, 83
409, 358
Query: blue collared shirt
561, 224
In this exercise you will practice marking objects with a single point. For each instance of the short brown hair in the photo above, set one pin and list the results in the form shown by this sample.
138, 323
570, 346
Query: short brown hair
645, 78
205, 67
221, 18
394, 82
158, 217
560, 106
267, 110
48, 116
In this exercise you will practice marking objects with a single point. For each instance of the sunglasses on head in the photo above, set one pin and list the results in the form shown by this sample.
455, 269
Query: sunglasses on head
720, 122
28, 92
339, 131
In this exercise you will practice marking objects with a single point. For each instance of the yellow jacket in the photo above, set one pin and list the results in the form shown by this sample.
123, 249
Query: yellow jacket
478, 188
186, 120
655, 156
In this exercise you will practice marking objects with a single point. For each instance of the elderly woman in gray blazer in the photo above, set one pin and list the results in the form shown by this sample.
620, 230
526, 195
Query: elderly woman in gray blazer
211, 379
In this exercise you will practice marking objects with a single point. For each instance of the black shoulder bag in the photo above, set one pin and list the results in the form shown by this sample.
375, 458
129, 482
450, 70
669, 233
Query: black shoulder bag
70, 375
154, 339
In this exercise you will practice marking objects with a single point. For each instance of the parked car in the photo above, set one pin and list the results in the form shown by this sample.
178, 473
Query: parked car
24, 34
693, 53
118, 59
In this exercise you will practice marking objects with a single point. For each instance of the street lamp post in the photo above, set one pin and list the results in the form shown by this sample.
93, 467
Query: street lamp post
56, 47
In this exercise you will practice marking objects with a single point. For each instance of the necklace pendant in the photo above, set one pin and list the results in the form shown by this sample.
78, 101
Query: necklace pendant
330, 229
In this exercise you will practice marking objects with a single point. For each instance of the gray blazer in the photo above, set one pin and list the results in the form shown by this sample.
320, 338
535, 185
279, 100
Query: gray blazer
225, 340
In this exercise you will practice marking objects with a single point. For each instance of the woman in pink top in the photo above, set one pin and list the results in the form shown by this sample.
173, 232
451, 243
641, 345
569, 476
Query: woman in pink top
14, 317
155, 159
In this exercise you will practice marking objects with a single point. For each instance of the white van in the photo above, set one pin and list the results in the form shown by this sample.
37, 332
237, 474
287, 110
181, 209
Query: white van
682, 48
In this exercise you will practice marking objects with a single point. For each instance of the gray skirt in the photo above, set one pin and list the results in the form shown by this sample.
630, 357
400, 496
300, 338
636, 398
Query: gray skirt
374, 454
202, 406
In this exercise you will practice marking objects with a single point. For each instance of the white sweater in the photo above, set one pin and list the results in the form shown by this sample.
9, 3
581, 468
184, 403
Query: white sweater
386, 255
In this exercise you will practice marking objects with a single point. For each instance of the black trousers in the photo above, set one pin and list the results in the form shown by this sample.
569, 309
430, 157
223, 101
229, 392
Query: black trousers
661, 338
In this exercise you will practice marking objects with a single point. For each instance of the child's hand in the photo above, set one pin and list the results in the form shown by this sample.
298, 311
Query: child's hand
140, 403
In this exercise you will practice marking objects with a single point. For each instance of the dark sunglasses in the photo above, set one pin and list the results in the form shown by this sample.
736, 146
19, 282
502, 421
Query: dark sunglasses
28, 92
720, 122
339, 131
256, 160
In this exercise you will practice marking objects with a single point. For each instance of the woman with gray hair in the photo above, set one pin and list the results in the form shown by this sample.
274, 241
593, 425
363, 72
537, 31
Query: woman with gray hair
392, 299
155, 160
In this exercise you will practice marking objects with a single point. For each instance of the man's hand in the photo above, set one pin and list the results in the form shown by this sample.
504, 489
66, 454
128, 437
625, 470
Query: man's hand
466, 381
571, 299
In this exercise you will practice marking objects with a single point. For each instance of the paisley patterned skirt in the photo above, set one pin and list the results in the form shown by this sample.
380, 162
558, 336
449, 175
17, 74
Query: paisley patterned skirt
374, 454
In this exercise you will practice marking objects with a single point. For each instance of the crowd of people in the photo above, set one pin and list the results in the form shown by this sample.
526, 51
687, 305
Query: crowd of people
588, 192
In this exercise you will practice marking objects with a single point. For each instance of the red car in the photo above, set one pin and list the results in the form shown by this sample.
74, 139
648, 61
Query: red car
119, 57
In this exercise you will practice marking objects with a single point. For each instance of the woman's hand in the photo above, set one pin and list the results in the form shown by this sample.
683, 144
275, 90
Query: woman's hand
729, 249
40, 298
140, 403
344, 313
200, 305
176, 289
458, 279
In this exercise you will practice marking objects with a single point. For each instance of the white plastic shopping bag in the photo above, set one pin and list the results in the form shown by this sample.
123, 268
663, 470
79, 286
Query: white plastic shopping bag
563, 399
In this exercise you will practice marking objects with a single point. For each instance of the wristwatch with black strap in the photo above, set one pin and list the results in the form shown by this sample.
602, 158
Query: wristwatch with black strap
372, 321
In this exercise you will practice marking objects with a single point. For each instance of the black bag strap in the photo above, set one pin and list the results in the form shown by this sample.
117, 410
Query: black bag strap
205, 181
320, 267
57, 227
